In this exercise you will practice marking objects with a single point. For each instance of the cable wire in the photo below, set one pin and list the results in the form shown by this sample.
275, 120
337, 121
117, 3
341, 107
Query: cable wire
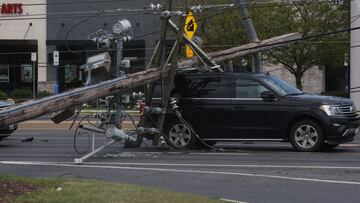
75, 25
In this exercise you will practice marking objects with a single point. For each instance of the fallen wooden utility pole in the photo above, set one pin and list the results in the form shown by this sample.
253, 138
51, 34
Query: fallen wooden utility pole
33, 109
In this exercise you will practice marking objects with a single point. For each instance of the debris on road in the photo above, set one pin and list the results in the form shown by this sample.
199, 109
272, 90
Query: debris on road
27, 139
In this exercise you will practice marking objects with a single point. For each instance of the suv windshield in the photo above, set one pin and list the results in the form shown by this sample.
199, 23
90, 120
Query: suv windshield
281, 86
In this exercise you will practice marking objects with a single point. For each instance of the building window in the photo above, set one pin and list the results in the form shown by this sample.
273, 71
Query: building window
4, 73
26, 73
71, 73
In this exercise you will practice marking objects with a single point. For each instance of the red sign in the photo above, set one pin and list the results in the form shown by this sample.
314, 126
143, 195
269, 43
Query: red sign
12, 9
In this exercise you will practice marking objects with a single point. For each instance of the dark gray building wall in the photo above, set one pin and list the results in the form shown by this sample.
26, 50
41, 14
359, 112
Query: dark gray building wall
62, 17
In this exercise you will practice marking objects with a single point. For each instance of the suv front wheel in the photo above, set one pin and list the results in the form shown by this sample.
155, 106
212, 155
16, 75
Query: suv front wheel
180, 136
307, 136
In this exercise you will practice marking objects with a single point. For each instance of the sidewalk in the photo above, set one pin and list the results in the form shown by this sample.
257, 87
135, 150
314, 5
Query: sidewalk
44, 122
48, 124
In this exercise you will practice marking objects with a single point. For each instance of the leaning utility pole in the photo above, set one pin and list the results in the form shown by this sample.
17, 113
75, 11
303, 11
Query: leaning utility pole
168, 82
251, 32
155, 60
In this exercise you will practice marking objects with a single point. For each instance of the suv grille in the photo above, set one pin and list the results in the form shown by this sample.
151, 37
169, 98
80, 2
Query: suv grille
347, 110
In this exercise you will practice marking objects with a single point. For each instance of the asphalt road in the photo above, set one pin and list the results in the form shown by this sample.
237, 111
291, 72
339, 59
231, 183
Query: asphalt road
260, 172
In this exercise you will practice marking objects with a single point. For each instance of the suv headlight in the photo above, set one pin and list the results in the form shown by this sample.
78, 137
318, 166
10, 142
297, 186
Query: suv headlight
330, 110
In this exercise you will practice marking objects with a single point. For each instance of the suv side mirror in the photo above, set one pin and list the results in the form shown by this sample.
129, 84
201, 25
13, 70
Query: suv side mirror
267, 96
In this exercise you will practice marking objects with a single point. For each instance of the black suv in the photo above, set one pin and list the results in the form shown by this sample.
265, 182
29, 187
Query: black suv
256, 107
7, 130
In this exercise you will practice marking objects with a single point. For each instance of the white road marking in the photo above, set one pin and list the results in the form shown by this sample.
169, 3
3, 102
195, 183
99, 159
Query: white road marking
230, 200
255, 143
219, 153
181, 171
221, 165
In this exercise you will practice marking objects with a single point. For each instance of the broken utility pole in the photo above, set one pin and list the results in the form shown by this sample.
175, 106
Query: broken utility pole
155, 60
168, 82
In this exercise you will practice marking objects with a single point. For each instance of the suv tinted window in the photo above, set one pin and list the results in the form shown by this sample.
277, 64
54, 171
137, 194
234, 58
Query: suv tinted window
207, 87
248, 89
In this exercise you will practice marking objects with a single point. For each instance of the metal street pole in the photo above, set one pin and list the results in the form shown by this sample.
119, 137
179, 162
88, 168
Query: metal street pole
119, 73
34, 75
56, 66
251, 32
33, 59
119, 57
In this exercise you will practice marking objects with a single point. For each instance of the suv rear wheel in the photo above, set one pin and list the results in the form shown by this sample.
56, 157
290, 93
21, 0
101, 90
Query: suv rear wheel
180, 136
307, 136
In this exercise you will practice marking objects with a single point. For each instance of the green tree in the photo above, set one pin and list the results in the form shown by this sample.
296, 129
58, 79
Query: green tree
308, 17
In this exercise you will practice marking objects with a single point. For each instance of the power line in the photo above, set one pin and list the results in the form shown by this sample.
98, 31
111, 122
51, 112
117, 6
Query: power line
145, 11
69, 3
75, 25
355, 19
289, 1
266, 45
76, 13
78, 16
285, 3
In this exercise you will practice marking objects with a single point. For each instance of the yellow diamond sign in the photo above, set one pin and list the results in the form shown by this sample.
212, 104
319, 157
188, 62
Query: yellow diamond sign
190, 29
190, 25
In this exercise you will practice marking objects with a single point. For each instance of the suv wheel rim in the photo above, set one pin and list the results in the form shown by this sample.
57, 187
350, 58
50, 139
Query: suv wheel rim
306, 136
180, 135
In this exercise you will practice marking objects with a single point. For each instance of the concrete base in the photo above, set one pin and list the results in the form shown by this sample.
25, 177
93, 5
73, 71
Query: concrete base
46, 86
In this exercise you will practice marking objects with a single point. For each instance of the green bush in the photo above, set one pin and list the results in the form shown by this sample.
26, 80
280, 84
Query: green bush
42, 94
22, 93
3, 95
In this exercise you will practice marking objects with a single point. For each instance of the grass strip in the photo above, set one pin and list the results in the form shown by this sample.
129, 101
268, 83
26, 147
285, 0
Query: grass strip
74, 190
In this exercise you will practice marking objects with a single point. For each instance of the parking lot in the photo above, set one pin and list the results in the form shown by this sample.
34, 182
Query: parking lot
245, 172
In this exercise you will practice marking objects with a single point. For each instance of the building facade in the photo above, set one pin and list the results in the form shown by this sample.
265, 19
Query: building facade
313, 80
41, 26
22, 32
355, 54
70, 25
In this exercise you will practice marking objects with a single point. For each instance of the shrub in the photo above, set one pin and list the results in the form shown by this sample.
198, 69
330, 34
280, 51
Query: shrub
3, 95
22, 93
42, 94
